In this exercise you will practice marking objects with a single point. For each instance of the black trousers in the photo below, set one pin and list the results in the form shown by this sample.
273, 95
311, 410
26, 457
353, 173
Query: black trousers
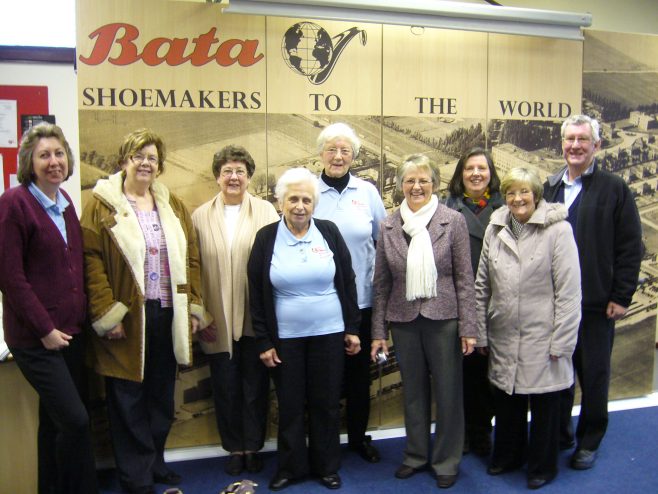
512, 446
357, 383
478, 402
240, 387
141, 414
309, 379
65, 454
591, 361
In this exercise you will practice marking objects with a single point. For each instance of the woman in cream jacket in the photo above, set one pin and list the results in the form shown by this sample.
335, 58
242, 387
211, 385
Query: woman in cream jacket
226, 227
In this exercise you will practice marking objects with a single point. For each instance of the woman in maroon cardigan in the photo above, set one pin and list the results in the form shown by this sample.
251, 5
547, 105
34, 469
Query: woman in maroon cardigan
41, 280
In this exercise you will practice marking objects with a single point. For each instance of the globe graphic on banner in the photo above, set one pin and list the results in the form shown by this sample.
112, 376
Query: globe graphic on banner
307, 48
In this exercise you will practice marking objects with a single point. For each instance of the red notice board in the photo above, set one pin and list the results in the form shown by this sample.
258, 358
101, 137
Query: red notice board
30, 100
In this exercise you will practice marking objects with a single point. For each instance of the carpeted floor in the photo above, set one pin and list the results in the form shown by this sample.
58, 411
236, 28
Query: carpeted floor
628, 463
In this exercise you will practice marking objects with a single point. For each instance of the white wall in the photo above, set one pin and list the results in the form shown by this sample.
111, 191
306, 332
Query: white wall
62, 102
624, 16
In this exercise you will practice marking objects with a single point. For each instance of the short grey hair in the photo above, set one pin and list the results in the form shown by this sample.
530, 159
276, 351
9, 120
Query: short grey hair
523, 175
419, 162
583, 120
336, 130
295, 176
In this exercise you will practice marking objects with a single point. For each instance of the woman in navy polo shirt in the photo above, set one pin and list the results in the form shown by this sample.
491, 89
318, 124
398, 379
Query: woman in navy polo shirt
305, 317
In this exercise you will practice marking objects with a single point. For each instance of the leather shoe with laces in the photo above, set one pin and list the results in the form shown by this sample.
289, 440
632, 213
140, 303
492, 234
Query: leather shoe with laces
405, 471
366, 450
331, 481
583, 459
168, 477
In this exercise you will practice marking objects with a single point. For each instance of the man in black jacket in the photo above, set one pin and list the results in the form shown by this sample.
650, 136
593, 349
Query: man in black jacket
607, 228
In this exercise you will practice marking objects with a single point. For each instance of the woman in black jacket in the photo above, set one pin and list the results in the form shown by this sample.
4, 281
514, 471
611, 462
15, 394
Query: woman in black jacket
474, 192
305, 317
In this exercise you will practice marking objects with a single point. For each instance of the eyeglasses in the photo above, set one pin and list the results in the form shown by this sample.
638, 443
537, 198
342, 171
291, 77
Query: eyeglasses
228, 172
520, 193
582, 140
422, 182
140, 158
341, 151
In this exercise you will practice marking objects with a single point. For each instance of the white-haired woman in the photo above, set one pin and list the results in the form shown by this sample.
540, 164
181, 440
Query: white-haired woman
305, 317
528, 309
424, 292
357, 209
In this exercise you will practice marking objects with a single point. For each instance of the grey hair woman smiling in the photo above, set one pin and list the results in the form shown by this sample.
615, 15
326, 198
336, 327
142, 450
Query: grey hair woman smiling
424, 291
528, 311
357, 209
305, 316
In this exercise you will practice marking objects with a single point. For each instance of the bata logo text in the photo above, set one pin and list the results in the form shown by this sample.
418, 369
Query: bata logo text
204, 49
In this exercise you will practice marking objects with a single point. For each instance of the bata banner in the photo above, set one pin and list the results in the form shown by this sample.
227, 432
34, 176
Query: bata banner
203, 79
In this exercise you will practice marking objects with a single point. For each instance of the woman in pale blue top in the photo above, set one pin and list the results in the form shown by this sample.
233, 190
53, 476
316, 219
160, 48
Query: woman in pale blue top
305, 317
357, 209
302, 274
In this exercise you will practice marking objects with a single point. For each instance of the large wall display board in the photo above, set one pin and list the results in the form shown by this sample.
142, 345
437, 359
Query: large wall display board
204, 79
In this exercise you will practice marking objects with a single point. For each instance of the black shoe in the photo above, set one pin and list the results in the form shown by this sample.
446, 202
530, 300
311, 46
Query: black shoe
331, 481
583, 459
253, 462
445, 481
366, 450
537, 482
168, 478
481, 445
564, 445
279, 483
494, 469
133, 489
235, 465
405, 471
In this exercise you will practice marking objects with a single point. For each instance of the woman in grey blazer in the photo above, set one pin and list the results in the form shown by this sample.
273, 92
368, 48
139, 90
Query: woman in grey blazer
423, 287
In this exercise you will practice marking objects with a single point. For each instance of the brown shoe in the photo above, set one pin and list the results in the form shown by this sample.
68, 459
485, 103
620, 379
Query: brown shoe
405, 471
445, 481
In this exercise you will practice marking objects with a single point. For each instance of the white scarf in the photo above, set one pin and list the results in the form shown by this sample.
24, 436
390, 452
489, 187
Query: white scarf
421, 268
